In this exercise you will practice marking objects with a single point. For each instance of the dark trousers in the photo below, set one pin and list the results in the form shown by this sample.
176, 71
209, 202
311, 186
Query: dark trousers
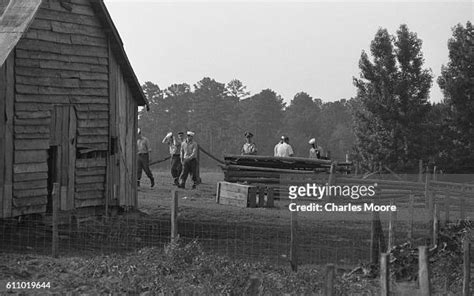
143, 164
176, 167
189, 167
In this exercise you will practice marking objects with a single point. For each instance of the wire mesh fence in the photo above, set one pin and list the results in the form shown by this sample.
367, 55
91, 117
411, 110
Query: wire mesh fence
340, 243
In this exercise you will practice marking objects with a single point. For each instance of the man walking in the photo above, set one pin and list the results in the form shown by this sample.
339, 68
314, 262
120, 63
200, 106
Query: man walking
189, 149
175, 152
143, 159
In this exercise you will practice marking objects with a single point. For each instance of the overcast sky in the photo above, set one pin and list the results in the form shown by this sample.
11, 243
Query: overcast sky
287, 46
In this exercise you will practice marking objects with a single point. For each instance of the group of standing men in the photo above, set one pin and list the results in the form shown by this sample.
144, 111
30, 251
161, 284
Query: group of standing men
183, 154
183, 157
282, 148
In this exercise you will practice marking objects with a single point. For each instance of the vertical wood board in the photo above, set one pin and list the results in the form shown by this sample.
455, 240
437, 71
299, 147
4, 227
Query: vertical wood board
9, 111
3, 90
72, 158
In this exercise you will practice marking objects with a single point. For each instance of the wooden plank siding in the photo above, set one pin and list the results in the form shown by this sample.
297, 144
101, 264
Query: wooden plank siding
67, 93
3, 92
8, 136
124, 116
63, 59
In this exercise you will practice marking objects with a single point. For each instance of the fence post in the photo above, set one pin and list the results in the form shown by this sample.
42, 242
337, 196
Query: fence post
427, 187
218, 192
391, 232
174, 215
384, 275
254, 285
435, 225
294, 242
447, 209
423, 271
467, 267
431, 201
374, 240
420, 170
410, 218
332, 172
463, 208
56, 201
329, 286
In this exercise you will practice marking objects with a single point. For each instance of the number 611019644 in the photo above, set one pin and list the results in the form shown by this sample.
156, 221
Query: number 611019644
27, 285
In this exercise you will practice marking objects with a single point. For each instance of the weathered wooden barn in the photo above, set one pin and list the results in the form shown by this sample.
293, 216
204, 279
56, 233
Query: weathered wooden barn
68, 108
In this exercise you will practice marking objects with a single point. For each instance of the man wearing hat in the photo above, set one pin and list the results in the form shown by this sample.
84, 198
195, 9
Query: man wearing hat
249, 147
143, 159
189, 149
315, 150
175, 152
283, 148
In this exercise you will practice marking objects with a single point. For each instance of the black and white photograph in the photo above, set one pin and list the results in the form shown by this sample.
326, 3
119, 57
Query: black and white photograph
236, 147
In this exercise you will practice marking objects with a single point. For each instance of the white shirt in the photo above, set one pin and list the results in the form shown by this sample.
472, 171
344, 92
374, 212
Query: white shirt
143, 145
283, 150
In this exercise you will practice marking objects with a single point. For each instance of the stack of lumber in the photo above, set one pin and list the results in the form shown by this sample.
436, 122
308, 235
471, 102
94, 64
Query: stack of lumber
292, 163
268, 169
277, 172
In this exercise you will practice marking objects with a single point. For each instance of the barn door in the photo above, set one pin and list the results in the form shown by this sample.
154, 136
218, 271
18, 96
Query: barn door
62, 154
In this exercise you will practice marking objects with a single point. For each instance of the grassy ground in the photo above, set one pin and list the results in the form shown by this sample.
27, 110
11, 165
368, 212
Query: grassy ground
337, 237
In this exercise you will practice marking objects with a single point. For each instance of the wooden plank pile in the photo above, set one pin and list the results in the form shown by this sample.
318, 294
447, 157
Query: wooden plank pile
268, 169
276, 173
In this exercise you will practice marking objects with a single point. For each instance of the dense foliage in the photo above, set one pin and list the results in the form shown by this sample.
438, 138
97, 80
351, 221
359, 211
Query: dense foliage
178, 269
457, 83
392, 97
221, 113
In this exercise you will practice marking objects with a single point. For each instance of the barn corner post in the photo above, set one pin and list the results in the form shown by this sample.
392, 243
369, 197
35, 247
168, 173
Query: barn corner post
3, 87
7, 96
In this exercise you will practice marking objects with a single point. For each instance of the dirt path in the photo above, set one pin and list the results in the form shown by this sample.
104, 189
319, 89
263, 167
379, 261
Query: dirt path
200, 205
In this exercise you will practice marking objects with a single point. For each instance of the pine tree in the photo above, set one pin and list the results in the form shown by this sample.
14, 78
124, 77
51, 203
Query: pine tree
457, 84
392, 101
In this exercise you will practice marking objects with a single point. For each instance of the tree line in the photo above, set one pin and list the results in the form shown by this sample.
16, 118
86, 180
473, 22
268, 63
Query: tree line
221, 113
389, 122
